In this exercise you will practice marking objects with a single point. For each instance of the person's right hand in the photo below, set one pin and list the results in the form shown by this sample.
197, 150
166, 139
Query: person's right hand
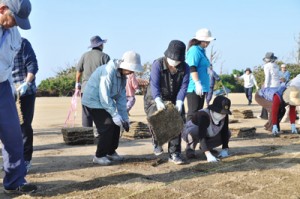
198, 88
210, 157
117, 119
159, 103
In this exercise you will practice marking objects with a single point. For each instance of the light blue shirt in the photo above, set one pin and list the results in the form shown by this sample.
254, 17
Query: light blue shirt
286, 75
196, 57
10, 41
105, 89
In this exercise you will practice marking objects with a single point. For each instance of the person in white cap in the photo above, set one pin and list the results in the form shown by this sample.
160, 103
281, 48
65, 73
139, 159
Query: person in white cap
12, 13
105, 100
284, 74
199, 68
87, 64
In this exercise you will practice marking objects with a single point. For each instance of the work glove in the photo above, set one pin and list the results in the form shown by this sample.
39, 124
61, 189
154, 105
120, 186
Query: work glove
159, 103
179, 104
77, 86
275, 130
23, 88
117, 119
126, 125
198, 88
293, 128
223, 153
210, 157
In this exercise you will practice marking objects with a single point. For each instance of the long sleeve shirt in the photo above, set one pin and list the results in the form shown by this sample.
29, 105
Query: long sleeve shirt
131, 85
171, 84
10, 43
249, 80
272, 78
105, 89
25, 62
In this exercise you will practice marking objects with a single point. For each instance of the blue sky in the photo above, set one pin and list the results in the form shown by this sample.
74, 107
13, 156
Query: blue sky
245, 30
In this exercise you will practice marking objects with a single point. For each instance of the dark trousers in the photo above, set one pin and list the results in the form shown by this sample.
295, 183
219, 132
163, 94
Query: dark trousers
11, 138
109, 132
248, 92
195, 103
174, 145
87, 120
27, 108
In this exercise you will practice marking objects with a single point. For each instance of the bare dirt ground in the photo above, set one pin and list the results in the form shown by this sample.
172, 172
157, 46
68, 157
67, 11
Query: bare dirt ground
262, 167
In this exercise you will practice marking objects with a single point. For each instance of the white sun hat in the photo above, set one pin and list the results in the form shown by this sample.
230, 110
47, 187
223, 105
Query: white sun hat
292, 96
131, 61
204, 35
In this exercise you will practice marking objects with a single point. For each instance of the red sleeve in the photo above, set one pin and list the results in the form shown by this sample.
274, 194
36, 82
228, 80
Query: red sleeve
275, 109
292, 114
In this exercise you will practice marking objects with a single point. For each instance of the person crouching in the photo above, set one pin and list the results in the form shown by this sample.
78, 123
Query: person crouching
209, 127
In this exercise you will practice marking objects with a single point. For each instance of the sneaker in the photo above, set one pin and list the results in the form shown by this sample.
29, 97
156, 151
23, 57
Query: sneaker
102, 161
115, 157
28, 165
175, 158
158, 150
276, 134
26, 188
190, 153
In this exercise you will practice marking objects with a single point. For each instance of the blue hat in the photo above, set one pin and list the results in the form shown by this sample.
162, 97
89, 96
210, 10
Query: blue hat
20, 10
96, 41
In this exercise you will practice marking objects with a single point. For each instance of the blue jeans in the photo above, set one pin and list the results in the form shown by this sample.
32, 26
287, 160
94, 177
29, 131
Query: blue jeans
248, 92
27, 108
11, 138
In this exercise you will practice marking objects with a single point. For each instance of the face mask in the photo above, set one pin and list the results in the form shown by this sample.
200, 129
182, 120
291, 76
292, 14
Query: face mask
172, 62
217, 117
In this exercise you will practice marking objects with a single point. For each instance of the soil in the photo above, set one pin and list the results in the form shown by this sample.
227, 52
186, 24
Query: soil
262, 166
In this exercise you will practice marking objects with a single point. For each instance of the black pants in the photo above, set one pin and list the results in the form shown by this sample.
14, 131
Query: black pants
109, 132
27, 108
87, 120
174, 145
195, 103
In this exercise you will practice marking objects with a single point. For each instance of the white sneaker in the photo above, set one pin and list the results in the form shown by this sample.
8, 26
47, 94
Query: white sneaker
157, 150
102, 161
115, 157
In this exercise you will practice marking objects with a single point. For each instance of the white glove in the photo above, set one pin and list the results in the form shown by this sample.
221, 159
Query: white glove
159, 103
223, 153
257, 88
275, 130
198, 88
210, 157
179, 104
294, 130
117, 120
78, 86
23, 88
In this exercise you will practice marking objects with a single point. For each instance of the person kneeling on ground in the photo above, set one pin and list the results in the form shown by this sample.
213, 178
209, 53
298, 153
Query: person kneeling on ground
105, 99
209, 127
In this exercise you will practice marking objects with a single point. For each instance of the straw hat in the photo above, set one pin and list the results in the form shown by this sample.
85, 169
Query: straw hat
292, 96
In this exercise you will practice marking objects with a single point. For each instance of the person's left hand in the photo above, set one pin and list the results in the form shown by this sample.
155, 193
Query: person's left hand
23, 88
294, 129
223, 154
179, 104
